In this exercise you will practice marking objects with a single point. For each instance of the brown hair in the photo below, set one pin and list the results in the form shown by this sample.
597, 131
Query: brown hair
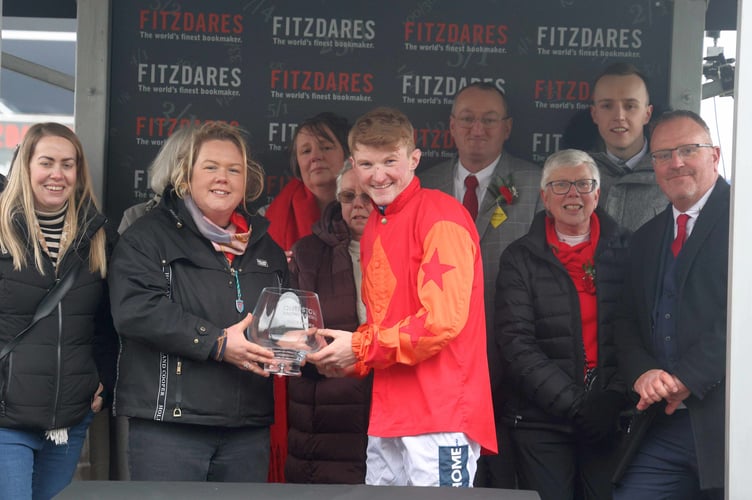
382, 127
324, 126
622, 69
675, 114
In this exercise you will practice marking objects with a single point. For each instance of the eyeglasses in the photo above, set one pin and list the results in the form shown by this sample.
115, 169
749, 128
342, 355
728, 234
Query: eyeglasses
583, 186
685, 152
467, 121
347, 197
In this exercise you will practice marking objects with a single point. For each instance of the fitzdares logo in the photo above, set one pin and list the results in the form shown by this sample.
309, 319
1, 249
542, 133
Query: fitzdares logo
468, 34
190, 26
323, 32
321, 85
588, 42
455, 37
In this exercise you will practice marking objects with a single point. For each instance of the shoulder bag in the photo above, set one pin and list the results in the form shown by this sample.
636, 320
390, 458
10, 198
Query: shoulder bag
46, 305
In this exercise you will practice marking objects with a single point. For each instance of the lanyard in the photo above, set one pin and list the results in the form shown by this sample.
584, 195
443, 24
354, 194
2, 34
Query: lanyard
239, 304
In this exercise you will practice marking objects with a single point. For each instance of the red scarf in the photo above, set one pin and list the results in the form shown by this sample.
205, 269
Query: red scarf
292, 213
241, 227
578, 261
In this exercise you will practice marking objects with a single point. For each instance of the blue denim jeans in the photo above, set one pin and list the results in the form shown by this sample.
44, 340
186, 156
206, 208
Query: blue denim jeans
32, 467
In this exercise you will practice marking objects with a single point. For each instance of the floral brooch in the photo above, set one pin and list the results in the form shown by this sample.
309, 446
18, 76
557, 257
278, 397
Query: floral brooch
589, 277
503, 190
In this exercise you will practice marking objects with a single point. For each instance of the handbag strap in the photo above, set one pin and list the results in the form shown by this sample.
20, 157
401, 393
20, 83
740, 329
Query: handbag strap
46, 305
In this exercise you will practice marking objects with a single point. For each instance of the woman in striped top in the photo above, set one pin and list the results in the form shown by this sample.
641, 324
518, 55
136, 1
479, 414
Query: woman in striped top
51, 382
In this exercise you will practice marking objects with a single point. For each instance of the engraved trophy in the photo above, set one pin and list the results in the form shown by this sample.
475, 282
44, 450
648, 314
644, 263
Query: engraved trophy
286, 321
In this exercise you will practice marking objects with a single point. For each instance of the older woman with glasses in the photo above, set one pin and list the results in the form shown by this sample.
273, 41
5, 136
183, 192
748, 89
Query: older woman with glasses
328, 418
555, 301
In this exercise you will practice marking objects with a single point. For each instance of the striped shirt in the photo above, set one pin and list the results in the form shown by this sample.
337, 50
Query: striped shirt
51, 225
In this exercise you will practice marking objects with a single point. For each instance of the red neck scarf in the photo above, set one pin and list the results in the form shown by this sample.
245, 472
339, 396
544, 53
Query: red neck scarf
292, 213
579, 263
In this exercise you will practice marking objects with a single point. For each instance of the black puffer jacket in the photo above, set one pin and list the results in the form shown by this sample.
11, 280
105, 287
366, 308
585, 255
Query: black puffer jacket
49, 379
327, 418
164, 370
538, 328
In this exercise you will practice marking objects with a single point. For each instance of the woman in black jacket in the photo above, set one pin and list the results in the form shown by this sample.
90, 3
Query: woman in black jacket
556, 294
184, 278
51, 378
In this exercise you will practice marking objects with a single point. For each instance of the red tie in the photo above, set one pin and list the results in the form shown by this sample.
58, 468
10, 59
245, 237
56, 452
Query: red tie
471, 198
681, 234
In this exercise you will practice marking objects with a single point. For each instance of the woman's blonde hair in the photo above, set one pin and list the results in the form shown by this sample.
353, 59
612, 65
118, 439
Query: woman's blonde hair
18, 200
254, 173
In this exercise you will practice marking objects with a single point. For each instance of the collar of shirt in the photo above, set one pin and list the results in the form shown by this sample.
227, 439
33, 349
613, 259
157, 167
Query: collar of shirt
632, 162
693, 212
483, 175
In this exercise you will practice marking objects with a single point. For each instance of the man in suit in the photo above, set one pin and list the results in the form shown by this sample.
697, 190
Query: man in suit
480, 124
621, 108
671, 331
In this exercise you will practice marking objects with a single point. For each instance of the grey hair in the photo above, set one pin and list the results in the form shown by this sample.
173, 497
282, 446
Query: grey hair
348, 166
168, 156
569, 158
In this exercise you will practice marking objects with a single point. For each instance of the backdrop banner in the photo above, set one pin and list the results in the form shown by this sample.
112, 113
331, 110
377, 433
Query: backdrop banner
266, 65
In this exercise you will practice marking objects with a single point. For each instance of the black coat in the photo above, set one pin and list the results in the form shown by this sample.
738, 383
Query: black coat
702, 279
328, 418
49, 379
539, 331
167, 332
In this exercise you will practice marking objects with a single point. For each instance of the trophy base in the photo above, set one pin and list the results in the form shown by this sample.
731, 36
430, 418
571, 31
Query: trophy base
286, 362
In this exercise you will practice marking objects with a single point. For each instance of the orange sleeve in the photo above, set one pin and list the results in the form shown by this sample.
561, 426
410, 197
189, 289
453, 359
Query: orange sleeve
444, 286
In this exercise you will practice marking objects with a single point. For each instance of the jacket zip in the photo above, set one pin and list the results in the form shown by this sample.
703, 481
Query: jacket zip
517, 419
177, 412
6, 385
117, 375
59, 359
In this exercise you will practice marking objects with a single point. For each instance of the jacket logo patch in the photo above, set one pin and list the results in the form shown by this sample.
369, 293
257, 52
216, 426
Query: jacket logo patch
164, 365
262, 263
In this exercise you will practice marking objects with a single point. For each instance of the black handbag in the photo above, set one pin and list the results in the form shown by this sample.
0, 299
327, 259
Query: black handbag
46, 305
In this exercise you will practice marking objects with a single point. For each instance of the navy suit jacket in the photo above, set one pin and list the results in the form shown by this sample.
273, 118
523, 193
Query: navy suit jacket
700, 315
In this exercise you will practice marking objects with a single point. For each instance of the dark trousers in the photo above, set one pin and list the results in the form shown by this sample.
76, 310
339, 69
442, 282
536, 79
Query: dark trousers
498, 471
559, 466
163, 451
665, 466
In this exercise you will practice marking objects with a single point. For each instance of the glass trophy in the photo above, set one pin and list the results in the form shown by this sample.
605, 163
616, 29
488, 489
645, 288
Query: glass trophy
286, 321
